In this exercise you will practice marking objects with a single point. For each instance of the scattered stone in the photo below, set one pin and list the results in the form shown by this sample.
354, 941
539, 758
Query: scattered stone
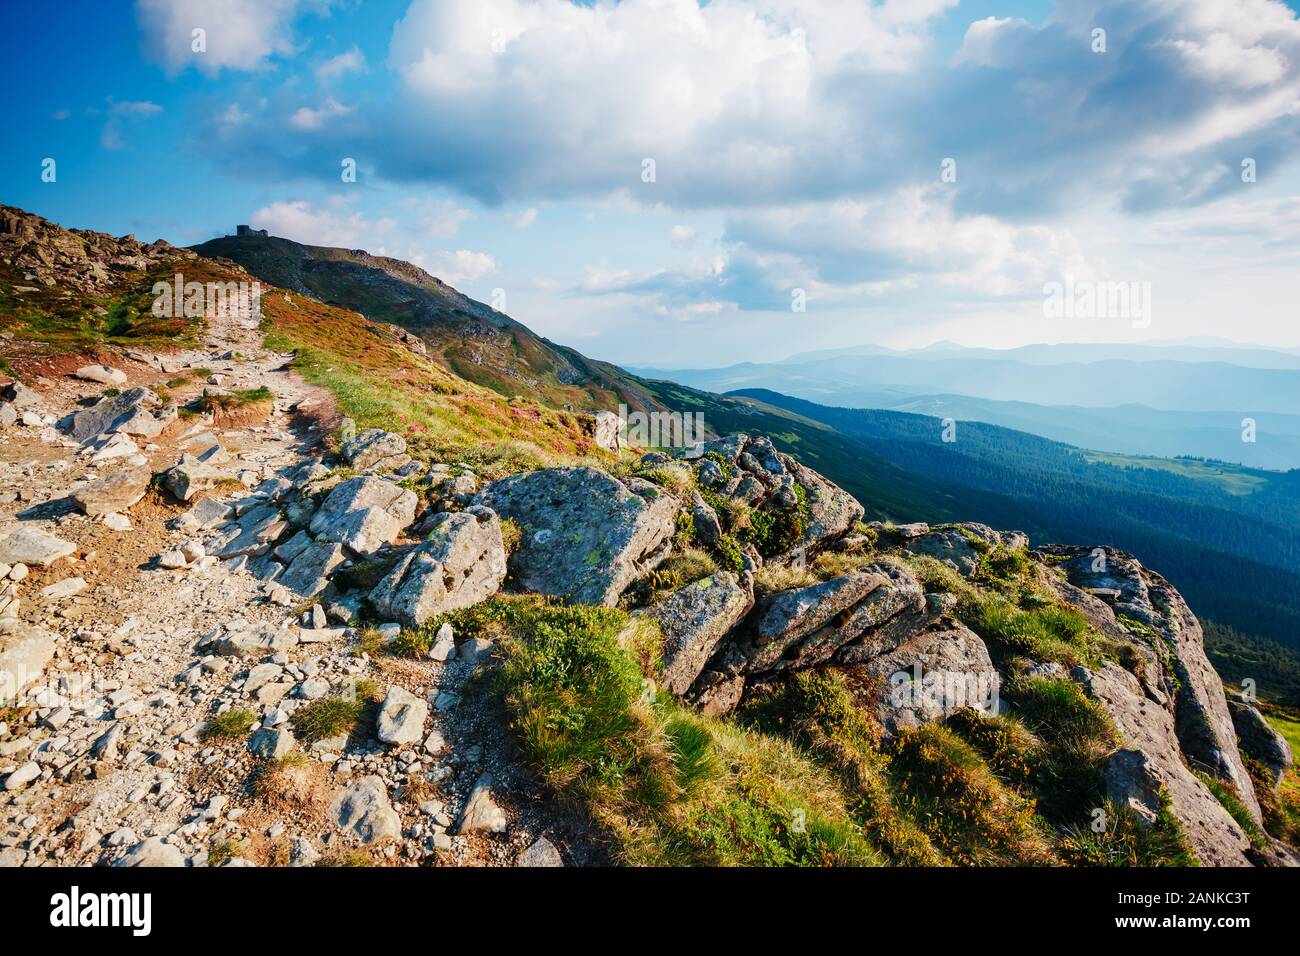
101, 374
541, 853
480, 811
401, 717
364, 809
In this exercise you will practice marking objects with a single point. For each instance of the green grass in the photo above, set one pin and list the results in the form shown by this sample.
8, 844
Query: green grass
1236, 809
1052, 632
1231, 478
816, 711
337, 714
967, 811
663, 784
1127, 841
233, 723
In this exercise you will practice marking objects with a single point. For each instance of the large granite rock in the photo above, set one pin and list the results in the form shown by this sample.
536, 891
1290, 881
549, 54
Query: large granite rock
461, 563
1192, 687
364, 513
115, 492
1150, 761
694, 619
586, 535
931, 676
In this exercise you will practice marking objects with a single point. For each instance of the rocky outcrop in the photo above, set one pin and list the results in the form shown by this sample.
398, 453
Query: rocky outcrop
850, 619
461, 563
1165, 623
693, 620
77, 259
1149, 764
585, 534
750, 471
1259, 740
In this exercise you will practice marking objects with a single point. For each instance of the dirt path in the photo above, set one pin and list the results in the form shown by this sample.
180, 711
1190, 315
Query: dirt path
112, 737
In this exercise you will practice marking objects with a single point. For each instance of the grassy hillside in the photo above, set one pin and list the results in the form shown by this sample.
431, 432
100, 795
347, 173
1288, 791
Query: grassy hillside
463, 336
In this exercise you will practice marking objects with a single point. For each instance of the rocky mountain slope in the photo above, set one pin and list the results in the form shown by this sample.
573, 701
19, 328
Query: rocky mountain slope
292, 594
467, 337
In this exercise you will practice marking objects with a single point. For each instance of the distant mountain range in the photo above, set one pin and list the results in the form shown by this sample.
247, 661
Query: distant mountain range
1172, 399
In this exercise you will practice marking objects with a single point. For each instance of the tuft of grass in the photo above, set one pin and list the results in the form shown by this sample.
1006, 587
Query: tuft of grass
221, 852
337, 714
347, 858
233, 723
1126, 840
963, 806
236, 399
1050, 632
1236, 809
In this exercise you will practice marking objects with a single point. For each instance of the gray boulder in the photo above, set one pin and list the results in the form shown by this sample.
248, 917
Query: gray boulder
401, 717
152, 852
101, 374
481, 811
375, 448
24, 652
1260, 740
110, 411
694, 619
586, 535
190, 476
364, 513
115, 492
461, 563
931, 676
308, 573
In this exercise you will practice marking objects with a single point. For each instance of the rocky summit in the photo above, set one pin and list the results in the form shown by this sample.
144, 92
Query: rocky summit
289, 592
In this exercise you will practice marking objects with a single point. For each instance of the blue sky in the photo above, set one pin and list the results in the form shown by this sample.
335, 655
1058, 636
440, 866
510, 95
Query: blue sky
797, 146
